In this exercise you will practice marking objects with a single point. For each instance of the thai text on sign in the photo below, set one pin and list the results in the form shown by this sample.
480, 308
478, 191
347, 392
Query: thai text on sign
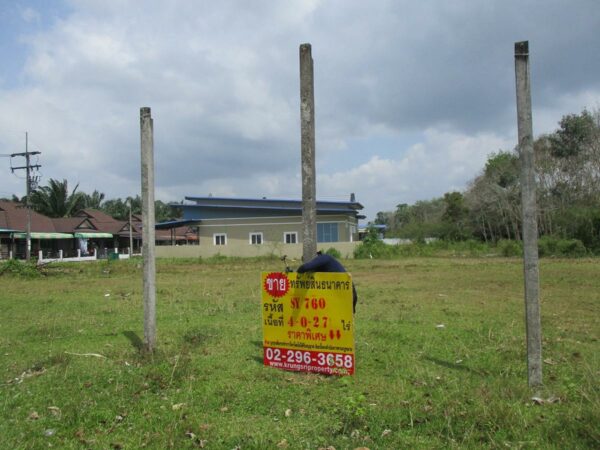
308, 322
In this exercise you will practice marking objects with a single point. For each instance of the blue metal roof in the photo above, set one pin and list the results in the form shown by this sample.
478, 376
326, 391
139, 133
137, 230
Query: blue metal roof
213, 201
278, 208
175, 223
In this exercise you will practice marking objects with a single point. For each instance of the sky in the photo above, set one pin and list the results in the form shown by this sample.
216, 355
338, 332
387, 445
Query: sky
411, 98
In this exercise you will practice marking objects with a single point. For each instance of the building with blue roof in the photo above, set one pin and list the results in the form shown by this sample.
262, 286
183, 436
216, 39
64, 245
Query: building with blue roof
223, 221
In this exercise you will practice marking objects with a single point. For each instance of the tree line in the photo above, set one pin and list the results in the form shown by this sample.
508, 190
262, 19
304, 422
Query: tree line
55, 200
567, 164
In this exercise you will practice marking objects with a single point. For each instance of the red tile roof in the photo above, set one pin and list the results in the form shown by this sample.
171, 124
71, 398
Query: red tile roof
13, 216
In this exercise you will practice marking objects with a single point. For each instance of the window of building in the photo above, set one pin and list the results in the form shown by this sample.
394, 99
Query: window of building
220, 239
290, 237
327, 232
256, 238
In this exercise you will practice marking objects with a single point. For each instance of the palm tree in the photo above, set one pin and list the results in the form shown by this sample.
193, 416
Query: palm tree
95, 200
54, 200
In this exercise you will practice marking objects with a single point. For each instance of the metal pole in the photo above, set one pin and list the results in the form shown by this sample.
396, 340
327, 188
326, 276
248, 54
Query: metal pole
147, 150
529, 209
307, 124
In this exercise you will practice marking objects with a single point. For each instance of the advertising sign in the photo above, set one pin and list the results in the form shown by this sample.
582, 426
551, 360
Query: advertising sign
308, 324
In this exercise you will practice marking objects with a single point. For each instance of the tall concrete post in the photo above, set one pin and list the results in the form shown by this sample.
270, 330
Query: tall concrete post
130, 231
148, 235
307, 125
27, 201
529, 211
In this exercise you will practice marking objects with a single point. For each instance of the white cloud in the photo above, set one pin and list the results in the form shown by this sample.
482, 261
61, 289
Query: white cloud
442, 162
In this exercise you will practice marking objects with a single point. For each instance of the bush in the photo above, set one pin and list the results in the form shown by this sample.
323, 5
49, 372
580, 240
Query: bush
548, 246
374, 249
554, 246
21, 268
571, 247
510, 248
333, 252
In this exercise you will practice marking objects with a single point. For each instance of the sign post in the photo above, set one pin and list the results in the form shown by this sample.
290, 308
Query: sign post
308, 324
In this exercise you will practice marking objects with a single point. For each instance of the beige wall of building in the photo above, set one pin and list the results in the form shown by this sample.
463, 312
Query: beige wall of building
272, 230
235, 238
245, 250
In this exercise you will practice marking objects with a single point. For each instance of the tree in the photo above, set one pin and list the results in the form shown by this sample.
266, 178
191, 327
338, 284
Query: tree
575, 134
402, 215
119, 209
116, 208
455, 217
94, 201
569, 179
164, 212
54, 200
494, 199
382, 218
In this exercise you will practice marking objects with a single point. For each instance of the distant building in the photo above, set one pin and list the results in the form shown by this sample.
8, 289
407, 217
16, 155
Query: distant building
254, 222
90, 231
43, 233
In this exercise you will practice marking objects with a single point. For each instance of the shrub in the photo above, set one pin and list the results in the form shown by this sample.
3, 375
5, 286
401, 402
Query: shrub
371, 246
333, 252
510, 248
374, 249
554, 246
21, 268
571, 247
548, 246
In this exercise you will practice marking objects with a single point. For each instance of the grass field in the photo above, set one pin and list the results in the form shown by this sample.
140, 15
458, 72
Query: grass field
73, 376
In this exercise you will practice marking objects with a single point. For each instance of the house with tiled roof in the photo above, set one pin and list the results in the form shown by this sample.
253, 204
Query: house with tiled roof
90, 231
13, 231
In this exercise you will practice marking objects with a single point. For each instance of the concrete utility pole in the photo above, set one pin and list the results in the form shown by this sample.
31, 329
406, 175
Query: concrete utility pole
529, 211
130, 231
307, 124
28, 182
147, 149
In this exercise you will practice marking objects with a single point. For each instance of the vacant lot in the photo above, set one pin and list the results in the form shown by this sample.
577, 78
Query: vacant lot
440, 350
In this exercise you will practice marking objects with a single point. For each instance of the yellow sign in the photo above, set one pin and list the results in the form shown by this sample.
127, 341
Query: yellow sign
308, 324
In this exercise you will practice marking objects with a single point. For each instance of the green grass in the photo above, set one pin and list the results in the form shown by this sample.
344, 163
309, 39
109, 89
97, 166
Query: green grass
417, 384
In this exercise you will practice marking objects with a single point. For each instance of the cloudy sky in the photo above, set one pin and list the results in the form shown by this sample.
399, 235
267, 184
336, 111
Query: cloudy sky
411, 97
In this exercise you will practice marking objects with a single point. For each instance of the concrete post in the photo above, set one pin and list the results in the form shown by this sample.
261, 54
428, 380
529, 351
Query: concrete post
529, 211
27, 201
307, 125
60, 254
148, 235
130, 232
